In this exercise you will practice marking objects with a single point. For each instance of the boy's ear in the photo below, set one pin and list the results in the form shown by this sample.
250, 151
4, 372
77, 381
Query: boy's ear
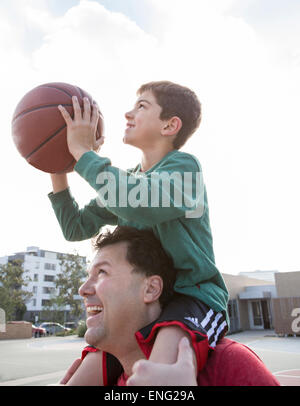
172, 126
153, 288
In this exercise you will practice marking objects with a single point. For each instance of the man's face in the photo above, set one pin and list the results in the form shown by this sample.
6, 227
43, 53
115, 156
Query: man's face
143, 123
112, 295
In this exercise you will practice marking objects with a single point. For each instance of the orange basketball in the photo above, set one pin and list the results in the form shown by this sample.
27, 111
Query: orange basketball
39, 130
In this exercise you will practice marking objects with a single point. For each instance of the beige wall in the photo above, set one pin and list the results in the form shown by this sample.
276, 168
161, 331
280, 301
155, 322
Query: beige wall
286, 315
237, 283
17, 329
288, 284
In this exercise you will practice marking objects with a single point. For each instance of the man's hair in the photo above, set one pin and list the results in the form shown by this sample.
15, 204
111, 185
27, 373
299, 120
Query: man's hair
176, 100
145, 253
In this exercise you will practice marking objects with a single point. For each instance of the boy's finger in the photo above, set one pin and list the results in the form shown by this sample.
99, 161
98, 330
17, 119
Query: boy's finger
95, 116
87, 109
65, 115
98, 143
77, 108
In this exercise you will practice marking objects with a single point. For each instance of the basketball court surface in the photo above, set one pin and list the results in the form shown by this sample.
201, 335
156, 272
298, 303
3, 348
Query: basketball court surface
275, 352
43, 361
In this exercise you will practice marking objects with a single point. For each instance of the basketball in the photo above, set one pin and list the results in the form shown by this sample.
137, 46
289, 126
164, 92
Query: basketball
39, 131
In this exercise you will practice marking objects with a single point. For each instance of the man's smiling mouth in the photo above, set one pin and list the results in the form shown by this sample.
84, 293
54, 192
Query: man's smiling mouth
93, 310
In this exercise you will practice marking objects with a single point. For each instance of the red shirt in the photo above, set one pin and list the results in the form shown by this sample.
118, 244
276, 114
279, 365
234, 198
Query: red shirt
231, 364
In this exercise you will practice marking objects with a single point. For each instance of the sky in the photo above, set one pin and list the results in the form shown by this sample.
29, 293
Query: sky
241, 57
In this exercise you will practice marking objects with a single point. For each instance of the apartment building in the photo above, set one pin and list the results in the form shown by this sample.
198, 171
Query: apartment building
41, 266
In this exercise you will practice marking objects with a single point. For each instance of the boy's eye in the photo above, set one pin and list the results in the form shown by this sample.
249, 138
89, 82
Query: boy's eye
141, 105
101, 271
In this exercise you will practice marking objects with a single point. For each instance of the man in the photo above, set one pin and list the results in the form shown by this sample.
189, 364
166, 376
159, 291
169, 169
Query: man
129, 282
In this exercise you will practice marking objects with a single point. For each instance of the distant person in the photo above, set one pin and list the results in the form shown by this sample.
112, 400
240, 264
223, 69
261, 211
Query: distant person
163, 118
127, 287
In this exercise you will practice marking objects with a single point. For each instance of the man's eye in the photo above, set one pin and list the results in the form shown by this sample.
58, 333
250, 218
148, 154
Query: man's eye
141, 105
101, 271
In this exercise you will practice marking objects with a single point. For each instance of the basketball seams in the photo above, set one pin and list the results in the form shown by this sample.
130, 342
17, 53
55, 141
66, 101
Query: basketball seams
80, 91
58, 88
27, 114
45, 142
49, 86
39, 107
67, 167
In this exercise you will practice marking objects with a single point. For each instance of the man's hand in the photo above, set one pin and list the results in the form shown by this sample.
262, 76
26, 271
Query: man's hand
182, 373
82, 130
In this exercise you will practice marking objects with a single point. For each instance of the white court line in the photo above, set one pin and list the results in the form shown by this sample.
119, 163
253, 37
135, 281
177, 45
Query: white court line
266, 349
287, 370
30, 380
288, 376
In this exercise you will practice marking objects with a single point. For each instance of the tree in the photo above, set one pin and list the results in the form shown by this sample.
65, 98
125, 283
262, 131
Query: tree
13, 297
67, 283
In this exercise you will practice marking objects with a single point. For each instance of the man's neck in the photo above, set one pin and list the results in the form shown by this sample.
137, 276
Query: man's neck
128, 359
129, 351
153, 156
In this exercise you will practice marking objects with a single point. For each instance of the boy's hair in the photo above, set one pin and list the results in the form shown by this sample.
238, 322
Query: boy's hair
176, 100
145, 253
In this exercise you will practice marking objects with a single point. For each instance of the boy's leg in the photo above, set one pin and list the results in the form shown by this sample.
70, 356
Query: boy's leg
171, 335
203, 326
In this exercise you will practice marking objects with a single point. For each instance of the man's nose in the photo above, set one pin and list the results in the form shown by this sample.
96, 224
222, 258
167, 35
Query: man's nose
87, 288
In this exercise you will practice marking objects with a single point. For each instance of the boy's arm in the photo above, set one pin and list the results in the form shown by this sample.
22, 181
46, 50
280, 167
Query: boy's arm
137, 202
59, 182
166, 194
78, 224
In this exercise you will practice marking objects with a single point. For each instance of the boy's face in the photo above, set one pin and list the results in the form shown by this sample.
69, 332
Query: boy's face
143, 123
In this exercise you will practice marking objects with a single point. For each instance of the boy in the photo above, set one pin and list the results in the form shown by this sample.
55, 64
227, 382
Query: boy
163, 118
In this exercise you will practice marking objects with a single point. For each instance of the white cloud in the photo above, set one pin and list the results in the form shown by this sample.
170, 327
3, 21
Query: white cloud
247, 141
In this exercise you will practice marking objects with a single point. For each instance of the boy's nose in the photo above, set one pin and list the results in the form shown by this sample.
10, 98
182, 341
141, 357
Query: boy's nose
128, 115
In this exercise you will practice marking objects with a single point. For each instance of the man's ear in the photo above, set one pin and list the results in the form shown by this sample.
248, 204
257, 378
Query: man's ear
153, 288
171, 126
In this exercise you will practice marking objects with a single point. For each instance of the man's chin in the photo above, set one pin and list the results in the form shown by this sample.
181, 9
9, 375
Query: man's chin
94, 337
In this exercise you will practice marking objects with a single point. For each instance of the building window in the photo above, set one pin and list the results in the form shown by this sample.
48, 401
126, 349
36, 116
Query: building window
50, 267
48, 290
256, 311
46, 302
34, 302
36, 277
34, 289
49, 278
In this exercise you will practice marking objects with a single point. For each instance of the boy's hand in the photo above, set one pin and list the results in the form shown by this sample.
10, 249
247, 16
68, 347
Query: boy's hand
81, 131
182, 373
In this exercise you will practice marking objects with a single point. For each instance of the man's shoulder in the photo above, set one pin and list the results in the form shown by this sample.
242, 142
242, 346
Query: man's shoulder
235, 364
